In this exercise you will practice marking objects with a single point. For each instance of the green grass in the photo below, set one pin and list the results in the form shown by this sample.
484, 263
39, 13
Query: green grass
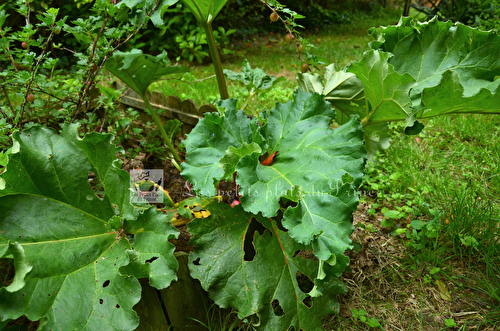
459, 152
450, 172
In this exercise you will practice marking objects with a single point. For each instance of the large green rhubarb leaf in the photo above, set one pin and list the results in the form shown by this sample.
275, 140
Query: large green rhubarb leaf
275, 284
326, 165
455, 67
415, 71
387, 97
427, 50
77, 250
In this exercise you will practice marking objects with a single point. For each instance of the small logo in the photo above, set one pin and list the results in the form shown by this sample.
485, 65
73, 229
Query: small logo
146, 186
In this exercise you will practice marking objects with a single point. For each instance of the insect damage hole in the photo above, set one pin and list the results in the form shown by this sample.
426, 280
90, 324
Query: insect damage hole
308, 302
106, 283
305, 283
197, 261
248, 246
96, 186
152, 259
277, 309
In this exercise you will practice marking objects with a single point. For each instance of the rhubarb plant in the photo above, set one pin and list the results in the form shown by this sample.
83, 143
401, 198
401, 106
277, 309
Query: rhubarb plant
297, 182
78, 249
414, 71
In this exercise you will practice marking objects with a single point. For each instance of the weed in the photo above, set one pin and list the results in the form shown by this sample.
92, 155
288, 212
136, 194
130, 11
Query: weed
220, 319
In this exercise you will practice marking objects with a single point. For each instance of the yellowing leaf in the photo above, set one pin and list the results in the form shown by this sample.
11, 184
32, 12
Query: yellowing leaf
443, 290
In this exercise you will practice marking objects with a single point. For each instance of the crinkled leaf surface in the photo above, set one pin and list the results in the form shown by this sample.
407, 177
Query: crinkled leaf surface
427, 50
456, 68
85, 249
208, 142
268, 285
386, 91
311, 155
316, 158
345, 92
138, 70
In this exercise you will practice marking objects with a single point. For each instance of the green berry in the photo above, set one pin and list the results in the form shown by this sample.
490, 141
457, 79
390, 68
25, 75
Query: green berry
273, 17
289, 37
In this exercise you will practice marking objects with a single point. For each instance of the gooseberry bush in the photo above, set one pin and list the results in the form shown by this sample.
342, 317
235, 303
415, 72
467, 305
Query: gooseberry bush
275, 250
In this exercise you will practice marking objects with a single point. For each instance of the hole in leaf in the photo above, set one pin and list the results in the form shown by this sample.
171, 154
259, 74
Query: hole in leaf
308, 302
101, 301
117, 306
248, 245
278, 219
278, 311
305, 254
105, 284
152, 259
96, 185
197, 261
305, 283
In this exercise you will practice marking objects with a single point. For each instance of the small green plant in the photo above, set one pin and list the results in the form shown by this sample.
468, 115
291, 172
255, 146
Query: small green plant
368, 227
219, 319
255, 80
470, 223
450, 323
362, 315
432, 275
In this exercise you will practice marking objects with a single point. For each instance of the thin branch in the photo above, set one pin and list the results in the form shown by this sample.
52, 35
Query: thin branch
287, 27
33, 73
